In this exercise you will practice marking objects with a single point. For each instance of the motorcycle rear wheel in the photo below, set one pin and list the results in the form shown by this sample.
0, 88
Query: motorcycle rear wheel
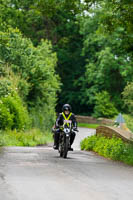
60, 150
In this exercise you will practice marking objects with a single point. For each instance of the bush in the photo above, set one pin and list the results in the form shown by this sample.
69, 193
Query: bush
13, 114
5, 87
104, 107
6, 118
88, 143
113, 148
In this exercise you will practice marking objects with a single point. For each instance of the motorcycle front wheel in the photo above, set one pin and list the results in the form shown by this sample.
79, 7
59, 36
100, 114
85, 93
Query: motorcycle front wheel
65, 148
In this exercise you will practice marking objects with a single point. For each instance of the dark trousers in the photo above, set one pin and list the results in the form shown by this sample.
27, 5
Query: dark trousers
57, 135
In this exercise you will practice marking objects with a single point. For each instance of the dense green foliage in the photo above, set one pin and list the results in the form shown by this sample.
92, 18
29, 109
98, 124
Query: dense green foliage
28, 80
104, 107
13, 114
108, 64
88, 44
56, 21
34, 65
113, 148
128, 97
93, 42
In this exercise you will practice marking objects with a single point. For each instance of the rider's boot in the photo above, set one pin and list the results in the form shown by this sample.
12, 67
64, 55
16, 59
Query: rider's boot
70, 149
71, 141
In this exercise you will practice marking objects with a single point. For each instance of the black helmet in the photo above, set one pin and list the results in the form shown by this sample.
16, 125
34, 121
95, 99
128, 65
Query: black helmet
66, 107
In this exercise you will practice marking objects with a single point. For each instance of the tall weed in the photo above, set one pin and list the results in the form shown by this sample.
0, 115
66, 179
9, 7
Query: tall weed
32, 137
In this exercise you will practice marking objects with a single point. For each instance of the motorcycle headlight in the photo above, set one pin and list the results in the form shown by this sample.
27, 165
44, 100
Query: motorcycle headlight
66, 130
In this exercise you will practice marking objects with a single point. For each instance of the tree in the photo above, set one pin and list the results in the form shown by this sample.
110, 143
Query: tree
104, 106
37, 82
108, 64
117, 15
128, 97
57, 21
92, 40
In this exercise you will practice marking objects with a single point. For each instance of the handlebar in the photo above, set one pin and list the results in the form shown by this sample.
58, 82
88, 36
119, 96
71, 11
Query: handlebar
61, 127
76, 130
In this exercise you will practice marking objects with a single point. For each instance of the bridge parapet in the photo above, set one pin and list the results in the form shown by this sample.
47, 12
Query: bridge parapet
108, 131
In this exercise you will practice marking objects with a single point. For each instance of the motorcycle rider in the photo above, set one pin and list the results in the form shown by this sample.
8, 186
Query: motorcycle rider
65, 115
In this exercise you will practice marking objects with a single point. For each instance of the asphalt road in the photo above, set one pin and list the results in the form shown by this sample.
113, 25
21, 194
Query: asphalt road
40, 174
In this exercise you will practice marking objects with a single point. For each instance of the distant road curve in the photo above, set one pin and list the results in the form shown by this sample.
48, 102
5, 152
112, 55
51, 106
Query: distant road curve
83, 133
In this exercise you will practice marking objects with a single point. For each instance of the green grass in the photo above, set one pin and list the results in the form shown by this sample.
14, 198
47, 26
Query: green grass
129, 121
85, 125
113, 148
32, 137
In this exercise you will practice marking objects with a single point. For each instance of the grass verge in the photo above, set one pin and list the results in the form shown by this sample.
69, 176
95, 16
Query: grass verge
113, 148
85, 125
32, 138
129, 121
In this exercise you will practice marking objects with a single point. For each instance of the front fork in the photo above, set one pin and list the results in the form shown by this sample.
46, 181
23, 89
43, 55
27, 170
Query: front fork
64, 139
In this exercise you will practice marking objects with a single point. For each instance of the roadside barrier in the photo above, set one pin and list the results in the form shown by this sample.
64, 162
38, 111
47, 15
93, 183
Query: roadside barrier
108, 131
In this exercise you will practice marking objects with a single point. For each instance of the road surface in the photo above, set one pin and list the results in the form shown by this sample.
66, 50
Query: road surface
40, 174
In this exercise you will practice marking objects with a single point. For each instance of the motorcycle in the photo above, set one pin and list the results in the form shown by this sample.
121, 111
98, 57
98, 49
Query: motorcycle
64, 139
